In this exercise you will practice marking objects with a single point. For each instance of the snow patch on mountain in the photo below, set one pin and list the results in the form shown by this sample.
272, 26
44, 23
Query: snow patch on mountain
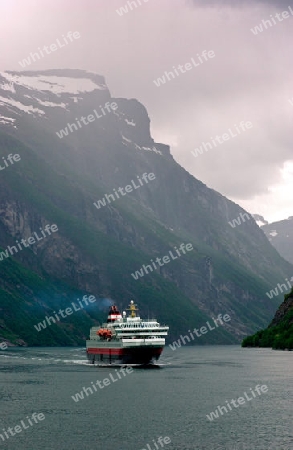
15, 104
7, 120
130, 122
7, 87
148, 149
54, 84
75, 99
51, 104
125, 139
273, 233
138, 147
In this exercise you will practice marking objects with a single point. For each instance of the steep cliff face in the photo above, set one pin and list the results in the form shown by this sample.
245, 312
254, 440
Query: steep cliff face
72, 179
284, 311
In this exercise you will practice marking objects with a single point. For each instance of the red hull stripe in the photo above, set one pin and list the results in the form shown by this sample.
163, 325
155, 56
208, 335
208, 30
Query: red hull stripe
105, 351
117, 351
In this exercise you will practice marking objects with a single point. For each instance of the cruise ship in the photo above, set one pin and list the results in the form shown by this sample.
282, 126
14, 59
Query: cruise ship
126, 339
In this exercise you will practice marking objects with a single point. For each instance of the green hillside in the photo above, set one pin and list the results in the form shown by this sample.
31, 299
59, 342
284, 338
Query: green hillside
279, 334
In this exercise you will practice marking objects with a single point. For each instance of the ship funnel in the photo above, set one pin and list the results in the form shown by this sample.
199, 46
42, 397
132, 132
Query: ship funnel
114, 314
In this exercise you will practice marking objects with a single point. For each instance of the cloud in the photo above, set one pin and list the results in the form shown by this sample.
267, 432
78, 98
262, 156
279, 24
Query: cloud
241, 3
249, 79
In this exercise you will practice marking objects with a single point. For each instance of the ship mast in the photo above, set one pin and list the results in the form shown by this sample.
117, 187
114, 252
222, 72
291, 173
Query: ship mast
133, 309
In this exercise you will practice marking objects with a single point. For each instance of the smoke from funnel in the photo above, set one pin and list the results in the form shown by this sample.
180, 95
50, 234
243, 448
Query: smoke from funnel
105, 303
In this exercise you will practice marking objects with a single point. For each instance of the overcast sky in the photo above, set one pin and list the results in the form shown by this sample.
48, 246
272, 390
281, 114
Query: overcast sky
249, 79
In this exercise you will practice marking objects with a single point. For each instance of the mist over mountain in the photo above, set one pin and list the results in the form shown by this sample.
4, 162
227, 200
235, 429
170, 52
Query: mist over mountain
85, 163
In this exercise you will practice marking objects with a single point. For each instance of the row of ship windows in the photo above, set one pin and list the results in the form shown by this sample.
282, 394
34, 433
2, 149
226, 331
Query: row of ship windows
137, 325
137, 331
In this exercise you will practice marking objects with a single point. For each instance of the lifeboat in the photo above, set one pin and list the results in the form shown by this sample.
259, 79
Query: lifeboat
103, 332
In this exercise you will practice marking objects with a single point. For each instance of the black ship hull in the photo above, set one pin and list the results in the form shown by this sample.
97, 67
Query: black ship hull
138, 355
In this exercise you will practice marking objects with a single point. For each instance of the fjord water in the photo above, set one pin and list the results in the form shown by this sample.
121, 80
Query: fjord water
130, 413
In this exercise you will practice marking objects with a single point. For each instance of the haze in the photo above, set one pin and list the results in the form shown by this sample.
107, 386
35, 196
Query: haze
249, 79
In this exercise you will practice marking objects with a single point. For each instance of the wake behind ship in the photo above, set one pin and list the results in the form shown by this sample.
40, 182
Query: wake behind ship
126, 340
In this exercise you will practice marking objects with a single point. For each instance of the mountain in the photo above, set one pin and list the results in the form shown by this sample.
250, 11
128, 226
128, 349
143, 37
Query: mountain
280, 234
279, 334
85, 164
